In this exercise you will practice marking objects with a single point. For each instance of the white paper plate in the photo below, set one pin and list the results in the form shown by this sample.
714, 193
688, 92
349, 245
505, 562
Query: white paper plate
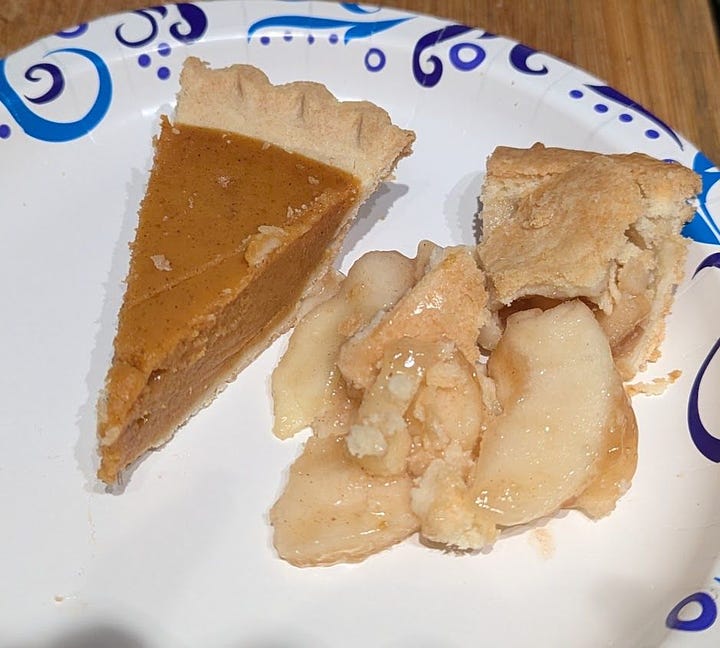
184, 556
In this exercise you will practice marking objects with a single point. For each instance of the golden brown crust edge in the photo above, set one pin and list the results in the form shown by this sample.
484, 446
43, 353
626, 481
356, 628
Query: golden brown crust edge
303, 117
669, 183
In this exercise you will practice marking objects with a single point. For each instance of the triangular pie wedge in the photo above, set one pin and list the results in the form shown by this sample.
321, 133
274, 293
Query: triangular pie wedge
252, 189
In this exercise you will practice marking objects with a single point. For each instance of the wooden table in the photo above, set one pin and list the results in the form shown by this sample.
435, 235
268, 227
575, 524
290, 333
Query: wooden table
662, 53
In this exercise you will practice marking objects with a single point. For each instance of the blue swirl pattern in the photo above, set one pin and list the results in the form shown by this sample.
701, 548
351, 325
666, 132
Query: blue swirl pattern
45, 129
354, 7
195, 21
353, 29
430, 77
705, 618
75, 32
712, 261
519, 56
709, 447
191, 27
704, 441
58, 82
618, 97
194, 17
702, 227
152, 23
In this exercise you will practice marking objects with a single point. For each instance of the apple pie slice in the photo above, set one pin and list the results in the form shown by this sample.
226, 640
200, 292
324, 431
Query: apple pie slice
562, 224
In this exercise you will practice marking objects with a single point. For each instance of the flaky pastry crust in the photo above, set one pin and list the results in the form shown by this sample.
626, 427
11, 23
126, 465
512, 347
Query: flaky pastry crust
564, 224
303, 117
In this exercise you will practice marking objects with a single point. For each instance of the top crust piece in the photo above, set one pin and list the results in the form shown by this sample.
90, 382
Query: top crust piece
304, 117
563, 224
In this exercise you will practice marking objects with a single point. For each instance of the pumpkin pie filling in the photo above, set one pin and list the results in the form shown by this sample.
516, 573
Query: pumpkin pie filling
231, 232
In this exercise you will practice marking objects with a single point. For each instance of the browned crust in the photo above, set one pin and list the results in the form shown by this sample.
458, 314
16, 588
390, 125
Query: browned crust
669, 185
559, 223
303, 117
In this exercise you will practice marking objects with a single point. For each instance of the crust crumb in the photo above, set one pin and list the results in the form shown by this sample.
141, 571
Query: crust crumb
543, 541
161, 262
655, 387
260, 245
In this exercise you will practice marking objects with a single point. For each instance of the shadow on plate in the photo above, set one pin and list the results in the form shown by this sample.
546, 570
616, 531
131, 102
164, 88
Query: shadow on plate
375, 209
91, 636
86, 448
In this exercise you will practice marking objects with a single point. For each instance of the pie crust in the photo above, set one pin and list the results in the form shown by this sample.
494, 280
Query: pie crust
560, 224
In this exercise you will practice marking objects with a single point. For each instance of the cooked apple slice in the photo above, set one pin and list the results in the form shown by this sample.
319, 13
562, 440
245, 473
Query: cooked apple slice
566, 418
567, 435
305, 384
333, 511
448, 302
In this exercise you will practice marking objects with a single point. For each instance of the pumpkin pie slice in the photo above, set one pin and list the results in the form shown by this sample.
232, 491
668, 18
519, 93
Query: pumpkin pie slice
252, 189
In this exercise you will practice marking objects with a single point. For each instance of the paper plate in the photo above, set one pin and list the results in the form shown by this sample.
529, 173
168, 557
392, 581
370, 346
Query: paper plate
184, 556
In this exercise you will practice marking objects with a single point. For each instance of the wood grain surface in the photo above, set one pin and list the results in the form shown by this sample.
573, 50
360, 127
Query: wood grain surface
662, 53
